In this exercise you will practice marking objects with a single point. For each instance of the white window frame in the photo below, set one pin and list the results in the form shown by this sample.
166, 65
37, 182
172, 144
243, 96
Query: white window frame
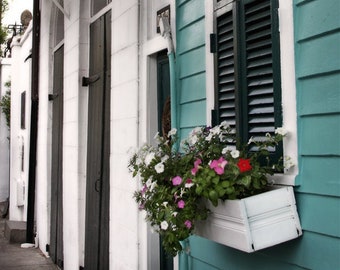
288, 86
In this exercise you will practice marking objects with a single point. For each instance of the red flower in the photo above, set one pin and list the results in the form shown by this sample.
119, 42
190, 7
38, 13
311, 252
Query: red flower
244, 165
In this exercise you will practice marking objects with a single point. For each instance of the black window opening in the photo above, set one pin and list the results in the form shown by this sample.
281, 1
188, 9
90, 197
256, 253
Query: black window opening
23, 110
247, 69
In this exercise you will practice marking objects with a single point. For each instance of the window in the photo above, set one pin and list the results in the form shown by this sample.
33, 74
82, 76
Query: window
97, 5
247, 67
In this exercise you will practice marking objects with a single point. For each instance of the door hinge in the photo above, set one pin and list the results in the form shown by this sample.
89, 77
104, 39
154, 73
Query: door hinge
213, 43
86, 81
52, 96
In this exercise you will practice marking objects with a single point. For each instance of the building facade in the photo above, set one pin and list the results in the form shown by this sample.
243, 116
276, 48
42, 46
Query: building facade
103, 81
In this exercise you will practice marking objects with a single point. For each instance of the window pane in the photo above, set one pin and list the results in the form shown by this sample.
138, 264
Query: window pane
97, 5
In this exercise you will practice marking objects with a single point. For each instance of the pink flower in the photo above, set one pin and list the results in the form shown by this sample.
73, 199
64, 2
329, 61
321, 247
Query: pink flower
196, 166
177, 180
218, 165
144, 189
181, 204
188, 224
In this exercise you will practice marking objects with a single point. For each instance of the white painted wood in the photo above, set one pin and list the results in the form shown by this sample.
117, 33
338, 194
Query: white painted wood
255, 222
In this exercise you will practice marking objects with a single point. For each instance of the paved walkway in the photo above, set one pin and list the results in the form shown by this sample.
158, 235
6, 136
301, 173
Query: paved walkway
13, 257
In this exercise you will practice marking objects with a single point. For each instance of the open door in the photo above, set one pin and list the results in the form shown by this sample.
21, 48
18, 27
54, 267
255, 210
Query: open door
56, 242
98, 146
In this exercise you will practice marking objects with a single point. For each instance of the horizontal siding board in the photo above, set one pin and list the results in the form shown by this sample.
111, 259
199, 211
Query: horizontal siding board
189, 12
317, 17
311, 251
319, 214
192, 62
318, 56
320, 175
319, 135
191, 37
319, 95
193, 88
193, 114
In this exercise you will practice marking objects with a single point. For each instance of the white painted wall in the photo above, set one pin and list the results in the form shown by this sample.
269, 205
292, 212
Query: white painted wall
5, 76
43, 175
129, 92
125, 235
20, 81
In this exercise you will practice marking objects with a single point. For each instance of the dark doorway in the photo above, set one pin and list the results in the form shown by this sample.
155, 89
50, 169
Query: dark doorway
98, 147
56, 243
164, 124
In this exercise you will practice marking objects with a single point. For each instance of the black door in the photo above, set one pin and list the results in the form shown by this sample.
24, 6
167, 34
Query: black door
56, 243
98, 147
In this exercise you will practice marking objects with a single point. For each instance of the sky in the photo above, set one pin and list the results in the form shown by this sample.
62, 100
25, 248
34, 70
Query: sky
16, 7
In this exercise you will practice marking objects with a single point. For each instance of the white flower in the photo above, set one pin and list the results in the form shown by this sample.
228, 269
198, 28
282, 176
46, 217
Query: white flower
193, 139
281, 131
235, 153
153, 185
225, 150
189, 185
224, 124
138, 161
251, 140
149, 157
165, 204
174, 214
172, 132
164, 225
165, 158
215, 130
149, 182
159, 168
209, 137
288, 163
156, 136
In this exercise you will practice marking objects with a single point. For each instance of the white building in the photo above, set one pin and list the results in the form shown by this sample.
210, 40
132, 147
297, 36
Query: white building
5, 76
84, 213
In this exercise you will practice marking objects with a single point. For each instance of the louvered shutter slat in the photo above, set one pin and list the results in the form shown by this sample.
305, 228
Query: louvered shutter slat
258, 40
226, 69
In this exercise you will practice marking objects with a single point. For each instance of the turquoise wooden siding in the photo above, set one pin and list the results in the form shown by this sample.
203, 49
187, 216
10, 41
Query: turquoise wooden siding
317, 39
190, 60
317, 57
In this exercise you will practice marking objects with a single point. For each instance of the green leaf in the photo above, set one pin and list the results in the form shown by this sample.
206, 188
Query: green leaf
225, 184
199, 190
215, 180
213, 196
245, 180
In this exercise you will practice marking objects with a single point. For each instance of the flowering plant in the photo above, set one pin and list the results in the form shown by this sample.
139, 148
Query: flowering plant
210, 165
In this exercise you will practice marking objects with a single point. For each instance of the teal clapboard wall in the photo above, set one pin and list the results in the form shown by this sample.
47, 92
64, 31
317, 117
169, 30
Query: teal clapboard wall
317, 56
190, 60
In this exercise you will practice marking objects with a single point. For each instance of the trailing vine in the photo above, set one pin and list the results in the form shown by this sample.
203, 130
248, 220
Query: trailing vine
5, 104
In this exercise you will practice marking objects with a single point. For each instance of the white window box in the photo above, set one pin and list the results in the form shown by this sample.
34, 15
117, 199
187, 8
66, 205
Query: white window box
255, 222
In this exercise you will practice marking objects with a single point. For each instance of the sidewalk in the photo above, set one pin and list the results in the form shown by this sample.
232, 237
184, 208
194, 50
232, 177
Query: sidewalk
13, 257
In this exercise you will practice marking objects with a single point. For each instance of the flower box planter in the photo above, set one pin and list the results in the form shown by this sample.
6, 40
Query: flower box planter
255, 222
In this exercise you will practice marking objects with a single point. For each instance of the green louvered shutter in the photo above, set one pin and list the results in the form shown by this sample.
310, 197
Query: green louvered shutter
248, 78
226, 69
262, 61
